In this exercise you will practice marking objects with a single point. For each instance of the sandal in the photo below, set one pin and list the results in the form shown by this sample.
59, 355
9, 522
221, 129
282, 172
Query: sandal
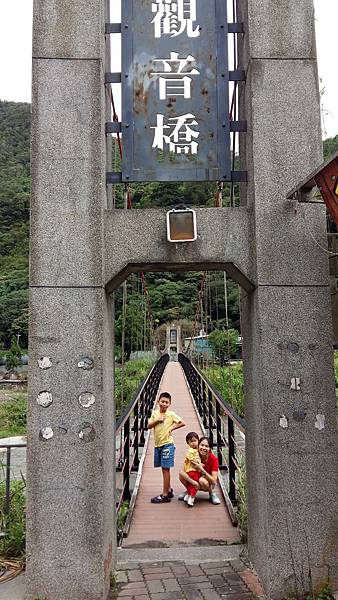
171, 493
160, 499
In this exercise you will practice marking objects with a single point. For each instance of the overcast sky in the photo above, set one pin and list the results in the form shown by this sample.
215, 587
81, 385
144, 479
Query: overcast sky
15, 52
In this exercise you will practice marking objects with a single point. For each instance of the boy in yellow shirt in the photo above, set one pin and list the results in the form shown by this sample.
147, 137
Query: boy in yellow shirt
164, 422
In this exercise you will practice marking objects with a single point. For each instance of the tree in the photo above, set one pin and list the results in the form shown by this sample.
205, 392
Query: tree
223, 343
13, 356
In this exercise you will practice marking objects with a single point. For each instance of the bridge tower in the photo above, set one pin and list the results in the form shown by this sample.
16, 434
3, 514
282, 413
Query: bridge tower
81, 250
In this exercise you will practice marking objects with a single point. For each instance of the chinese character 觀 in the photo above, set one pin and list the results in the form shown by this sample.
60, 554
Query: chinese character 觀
173, 17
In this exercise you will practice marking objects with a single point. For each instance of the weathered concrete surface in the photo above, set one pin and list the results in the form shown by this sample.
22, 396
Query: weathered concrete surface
69, 525
283, 29
65, 29
223, 242
70, 515
287, 329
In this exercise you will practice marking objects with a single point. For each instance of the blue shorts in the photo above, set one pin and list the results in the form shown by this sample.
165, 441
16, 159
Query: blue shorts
164, 456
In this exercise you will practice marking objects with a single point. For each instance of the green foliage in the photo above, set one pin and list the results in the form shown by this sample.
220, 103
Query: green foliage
13, 416
336, 374
13, 356
330, 146
14, 218
223, 343
242, 495
229, 382
122, 518
324, 594
135, 372
14, 523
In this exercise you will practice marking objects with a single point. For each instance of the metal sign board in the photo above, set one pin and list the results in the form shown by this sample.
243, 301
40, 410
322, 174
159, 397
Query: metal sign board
175, 98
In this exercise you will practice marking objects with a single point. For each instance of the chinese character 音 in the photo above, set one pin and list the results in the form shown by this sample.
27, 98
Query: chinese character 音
181, 135
174, 80
174, 17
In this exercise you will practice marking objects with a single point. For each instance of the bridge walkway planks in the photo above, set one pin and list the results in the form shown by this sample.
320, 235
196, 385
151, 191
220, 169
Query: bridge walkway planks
174, 524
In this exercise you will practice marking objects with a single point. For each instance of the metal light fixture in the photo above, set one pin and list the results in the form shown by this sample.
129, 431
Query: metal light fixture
181, 225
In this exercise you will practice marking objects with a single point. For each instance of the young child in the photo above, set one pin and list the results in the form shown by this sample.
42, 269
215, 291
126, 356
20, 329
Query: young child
164, 422
189, 468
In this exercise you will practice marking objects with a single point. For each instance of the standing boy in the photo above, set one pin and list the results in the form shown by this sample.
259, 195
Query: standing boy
164, 422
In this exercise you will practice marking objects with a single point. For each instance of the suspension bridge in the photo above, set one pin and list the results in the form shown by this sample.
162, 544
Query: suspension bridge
189, 97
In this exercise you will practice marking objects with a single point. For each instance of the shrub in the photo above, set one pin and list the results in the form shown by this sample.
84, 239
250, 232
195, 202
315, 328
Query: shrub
242, 496
121, 519
13, 416
13, 523
230, 384
135, 371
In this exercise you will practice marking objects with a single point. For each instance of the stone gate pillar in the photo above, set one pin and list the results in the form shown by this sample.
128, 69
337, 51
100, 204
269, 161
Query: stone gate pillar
287, 328
70, 540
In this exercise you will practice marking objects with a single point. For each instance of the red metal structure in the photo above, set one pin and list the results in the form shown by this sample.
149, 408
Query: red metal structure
325, 178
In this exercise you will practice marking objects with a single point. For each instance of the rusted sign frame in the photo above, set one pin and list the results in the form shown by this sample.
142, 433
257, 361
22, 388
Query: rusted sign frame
134, 170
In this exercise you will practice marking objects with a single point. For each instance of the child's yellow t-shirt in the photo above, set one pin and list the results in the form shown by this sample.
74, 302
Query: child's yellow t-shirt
161, 430
192, 454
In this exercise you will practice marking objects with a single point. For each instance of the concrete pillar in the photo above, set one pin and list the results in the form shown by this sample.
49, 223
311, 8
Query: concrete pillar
70, 514
287, 328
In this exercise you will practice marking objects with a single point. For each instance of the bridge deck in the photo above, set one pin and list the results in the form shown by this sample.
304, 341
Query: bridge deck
174, 524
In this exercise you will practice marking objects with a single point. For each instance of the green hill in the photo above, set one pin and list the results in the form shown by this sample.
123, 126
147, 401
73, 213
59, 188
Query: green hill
173, 296
14, 219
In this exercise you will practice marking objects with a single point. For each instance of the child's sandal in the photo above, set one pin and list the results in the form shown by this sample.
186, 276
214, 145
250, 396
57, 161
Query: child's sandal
160, 499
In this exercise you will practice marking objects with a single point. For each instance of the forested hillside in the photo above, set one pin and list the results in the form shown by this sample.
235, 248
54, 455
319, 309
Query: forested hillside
14, 219
173, 296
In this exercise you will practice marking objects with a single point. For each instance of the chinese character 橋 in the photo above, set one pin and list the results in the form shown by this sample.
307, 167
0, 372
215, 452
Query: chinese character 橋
174, 80
181, 138
174, 17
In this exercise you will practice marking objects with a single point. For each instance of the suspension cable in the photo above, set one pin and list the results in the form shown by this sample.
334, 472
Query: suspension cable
198, 309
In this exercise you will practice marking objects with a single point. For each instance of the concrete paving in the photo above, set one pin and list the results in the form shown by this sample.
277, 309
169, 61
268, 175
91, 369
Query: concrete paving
14, 589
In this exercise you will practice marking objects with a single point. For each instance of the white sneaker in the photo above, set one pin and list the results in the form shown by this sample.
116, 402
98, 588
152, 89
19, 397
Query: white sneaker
182, 496
214, 499
186, 497
190, 501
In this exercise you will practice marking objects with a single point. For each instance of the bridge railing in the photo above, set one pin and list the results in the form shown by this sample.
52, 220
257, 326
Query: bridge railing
219, 421
131, 428
5, 478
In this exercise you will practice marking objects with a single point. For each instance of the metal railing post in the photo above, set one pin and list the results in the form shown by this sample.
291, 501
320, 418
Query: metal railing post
218, 434
210, 414
204, 404
136, 440
8, 481
143, 423
232, 465
126, 461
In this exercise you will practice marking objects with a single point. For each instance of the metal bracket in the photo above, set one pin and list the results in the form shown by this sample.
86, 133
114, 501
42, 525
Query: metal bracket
117, 28
237, 75
112, 127
239, 176
113, 177
235, 27
239, 126
113, 28
112, 78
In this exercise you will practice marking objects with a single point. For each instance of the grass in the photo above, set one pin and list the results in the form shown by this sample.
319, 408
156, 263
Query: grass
14, 523
229, 382
135, 372
336, 373
13, 415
